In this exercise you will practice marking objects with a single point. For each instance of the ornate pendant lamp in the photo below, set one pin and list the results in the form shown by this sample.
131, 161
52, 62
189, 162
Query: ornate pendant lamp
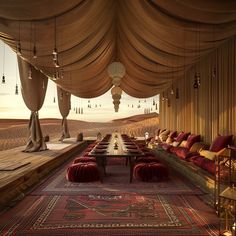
116, 71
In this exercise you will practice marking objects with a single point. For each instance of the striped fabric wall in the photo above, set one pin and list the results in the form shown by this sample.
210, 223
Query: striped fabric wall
210, 109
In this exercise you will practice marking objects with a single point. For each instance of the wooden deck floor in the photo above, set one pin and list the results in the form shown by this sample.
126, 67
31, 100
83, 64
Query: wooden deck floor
19, 170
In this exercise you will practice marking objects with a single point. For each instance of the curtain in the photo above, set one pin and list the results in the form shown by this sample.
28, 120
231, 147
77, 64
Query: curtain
33, 92
210, 109
64, 107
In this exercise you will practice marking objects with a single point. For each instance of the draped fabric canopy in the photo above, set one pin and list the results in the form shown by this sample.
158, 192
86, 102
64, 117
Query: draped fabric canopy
64, 107
156, 40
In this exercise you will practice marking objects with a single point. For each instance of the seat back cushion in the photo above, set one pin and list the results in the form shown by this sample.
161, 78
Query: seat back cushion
198, 146
208, 154
192, 138
221, 142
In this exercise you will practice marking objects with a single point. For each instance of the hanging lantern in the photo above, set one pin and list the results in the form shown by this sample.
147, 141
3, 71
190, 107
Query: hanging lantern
30, 73
54, 99
153, 103
3, 79
34, 52
172, 90
16, 90
18, 49
3, 67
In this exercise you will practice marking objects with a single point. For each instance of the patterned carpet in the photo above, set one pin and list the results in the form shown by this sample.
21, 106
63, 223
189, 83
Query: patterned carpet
113, 208
125, 214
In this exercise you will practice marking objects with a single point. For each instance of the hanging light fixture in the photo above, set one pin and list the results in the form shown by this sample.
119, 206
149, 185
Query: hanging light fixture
197, 81
163, 97
30, 73
153, 102
16, 90
3, 65
18, 47
3, 79
34, 47
55, 52
172, 90
43, 84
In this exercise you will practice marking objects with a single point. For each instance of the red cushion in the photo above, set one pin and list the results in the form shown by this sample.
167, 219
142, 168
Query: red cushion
221, 142
181, 152
172, 134
181, 136
84, 159
83, 172
150, 171
192, 138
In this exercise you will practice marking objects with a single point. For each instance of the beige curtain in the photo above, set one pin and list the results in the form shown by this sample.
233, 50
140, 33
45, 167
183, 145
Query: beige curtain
33, 92
64, 107
210, 109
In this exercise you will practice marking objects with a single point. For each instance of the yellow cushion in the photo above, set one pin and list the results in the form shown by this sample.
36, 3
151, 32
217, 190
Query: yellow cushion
183, 143
169, 140
208, 154
175, 144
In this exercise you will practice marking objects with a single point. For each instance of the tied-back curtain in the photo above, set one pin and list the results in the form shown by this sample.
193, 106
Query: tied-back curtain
33, 92
64, 107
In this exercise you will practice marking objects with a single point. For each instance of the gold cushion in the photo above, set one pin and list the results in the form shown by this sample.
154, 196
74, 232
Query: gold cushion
208, 154
198, 146
183, 143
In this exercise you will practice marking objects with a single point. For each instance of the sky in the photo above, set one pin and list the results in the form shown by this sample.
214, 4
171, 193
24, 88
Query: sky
102, 108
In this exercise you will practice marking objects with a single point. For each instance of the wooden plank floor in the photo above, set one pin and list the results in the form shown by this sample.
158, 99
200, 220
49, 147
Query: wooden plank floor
35, 166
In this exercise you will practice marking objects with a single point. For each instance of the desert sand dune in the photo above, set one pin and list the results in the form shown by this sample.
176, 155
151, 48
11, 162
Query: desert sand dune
14, 132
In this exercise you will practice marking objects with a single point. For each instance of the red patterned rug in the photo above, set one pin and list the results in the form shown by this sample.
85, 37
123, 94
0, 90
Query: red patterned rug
116, 181
113, 215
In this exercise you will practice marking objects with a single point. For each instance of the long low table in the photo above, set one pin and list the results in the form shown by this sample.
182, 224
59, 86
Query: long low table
115, 148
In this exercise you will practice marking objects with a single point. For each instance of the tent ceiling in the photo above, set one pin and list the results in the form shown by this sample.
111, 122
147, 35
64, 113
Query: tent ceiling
156, 40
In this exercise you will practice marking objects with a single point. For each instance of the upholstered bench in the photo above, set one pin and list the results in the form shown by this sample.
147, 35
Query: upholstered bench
83, 172
150, 171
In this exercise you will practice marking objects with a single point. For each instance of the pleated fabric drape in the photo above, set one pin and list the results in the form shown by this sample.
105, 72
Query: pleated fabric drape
64, 105
33, 92
153, 39
211, 109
